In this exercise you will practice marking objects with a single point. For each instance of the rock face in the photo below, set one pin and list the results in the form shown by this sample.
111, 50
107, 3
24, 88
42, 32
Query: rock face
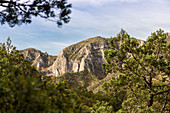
168, 38
168, 35
79, 64
84, 56
38, 59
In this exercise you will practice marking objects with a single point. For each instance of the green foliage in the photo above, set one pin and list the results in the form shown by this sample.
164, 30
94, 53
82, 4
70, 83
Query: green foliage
77, 79
95, 102
141, 85
16, 12
23, 89
101, 107
88, 99
144, 72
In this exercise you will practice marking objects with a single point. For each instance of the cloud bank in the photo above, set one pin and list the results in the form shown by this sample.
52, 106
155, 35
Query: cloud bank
91, 18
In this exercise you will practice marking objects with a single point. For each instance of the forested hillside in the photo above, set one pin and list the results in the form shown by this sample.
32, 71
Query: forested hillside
120, 74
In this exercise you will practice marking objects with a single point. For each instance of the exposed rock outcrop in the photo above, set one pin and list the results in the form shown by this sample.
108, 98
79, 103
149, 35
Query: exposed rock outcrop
38, 59
79, 64
86, 55
168, 38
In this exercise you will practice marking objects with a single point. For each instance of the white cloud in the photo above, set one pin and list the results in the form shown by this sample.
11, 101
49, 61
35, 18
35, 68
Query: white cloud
137, 19
59, 44
104, 17
97, 2
53, 48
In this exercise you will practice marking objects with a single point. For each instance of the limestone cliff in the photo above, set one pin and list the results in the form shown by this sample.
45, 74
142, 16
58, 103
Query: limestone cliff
38, 58
79, 64
84, 56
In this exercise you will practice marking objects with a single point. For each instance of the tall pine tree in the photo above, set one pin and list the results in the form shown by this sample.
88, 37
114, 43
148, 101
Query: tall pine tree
143, 72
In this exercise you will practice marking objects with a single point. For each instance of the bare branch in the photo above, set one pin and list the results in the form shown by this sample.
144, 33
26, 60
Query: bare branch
162, 92
166, 100
135, 95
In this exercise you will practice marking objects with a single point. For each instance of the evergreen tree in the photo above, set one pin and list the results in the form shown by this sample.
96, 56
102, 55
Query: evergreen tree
23, 90
16, 12
143, 70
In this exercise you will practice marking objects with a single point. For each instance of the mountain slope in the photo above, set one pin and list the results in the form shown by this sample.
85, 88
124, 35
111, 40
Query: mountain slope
84, 56
38, 59
79, 64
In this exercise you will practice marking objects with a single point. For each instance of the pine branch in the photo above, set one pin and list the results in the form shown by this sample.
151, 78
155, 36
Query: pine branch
162, 92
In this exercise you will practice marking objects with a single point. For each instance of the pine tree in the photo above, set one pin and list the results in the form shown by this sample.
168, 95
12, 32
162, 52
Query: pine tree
143, 70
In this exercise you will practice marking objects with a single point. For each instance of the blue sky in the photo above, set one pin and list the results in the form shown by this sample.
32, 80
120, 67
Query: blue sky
92, 18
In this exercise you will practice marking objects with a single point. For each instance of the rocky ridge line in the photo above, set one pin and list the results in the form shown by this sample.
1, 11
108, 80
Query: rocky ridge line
37, 58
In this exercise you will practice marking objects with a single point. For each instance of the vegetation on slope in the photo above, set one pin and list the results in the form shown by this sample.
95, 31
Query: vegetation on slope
77, 79
144, 72
23, 89
141, 85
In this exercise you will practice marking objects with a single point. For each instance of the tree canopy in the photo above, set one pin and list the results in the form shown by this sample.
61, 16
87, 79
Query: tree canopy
23, 89
143, 69
140, 83
16, 12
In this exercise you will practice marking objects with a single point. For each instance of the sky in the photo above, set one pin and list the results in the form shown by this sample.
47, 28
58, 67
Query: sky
90, 18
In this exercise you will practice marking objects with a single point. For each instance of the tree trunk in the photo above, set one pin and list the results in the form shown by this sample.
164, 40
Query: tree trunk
150, 100
150, 92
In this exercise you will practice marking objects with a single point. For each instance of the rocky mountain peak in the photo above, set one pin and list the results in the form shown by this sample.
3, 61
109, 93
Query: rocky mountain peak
38, 58
79, 64
86, 55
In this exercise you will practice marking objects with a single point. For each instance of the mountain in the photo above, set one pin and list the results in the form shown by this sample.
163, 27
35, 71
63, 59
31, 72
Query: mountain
86, 55
97, 85
79, 64
37, 58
